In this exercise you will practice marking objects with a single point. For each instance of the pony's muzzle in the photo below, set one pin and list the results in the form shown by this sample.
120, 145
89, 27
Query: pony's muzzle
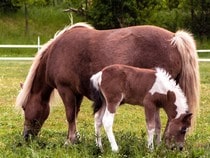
27, 133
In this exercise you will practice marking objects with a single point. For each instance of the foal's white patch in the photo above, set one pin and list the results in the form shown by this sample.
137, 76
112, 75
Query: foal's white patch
163, 84
96, 79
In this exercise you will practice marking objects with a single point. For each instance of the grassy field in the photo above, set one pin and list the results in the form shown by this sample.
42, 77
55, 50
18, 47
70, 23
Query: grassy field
129, 126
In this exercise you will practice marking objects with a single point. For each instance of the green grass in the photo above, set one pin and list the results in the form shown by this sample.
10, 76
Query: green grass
129, 126
43, 22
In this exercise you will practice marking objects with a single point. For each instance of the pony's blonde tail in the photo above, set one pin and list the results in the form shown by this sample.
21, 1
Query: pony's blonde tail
189, 79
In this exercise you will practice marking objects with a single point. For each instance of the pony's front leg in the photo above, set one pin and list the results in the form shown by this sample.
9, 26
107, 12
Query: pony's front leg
150, 110
108, 120
98, 123
69, 100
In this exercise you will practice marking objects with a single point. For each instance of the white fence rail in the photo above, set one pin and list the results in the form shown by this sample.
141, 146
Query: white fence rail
38, 46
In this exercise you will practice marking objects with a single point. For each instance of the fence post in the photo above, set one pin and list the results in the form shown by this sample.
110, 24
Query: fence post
71, 18
38, 43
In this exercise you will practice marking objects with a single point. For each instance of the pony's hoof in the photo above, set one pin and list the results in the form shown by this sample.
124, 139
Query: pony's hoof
67, 143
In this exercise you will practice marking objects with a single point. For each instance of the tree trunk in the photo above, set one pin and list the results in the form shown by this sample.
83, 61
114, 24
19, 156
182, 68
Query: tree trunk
26, 19
192, 13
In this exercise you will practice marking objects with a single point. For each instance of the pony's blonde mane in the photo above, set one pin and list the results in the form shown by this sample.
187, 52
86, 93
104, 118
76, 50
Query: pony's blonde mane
181, 101
25, 91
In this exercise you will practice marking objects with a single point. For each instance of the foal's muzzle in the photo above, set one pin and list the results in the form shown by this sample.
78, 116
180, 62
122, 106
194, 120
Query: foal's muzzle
31, 129
177, 147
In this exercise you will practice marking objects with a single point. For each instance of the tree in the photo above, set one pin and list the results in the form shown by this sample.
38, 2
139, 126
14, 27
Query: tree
120, 13
7, 6
26, 4
200, 17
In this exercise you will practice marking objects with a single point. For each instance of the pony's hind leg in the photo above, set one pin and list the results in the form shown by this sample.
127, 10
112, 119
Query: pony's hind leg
98, 123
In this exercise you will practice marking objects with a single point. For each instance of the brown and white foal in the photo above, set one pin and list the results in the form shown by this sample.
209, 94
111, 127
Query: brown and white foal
154, 89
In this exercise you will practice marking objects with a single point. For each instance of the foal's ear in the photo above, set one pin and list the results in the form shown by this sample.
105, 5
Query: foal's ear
186, 119
171, 97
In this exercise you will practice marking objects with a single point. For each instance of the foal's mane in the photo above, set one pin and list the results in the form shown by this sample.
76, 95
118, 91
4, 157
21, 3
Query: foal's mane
181, 101
25, 91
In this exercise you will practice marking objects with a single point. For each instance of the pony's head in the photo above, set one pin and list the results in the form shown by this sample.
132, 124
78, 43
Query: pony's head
36, 111
175, 132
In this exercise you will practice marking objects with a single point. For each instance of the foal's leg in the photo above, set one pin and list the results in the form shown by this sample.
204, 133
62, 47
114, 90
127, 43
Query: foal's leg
69, 100
111, 106
108, 120
158, 126
150, 110
98, 123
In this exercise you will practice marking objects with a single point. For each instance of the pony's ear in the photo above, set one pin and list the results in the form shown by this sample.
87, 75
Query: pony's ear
186, 119
171, 96
21, 85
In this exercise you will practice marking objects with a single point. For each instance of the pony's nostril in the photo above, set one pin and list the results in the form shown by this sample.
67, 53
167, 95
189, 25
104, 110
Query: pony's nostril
25, 135
181, 148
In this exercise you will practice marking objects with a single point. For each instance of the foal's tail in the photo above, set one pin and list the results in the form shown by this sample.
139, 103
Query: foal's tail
97, 96
189, 77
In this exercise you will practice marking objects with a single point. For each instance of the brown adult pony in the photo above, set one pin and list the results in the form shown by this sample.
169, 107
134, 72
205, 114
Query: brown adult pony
69, 60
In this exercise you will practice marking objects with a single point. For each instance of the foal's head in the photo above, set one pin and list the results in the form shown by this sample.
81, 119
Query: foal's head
176, 130
177, 126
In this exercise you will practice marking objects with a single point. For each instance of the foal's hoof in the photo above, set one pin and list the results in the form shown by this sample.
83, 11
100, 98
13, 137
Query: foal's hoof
100, 148
115, 149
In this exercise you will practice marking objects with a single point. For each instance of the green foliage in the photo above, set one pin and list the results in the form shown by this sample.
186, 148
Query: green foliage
192, 15
199, 20
115, 13
29, 2
7, 6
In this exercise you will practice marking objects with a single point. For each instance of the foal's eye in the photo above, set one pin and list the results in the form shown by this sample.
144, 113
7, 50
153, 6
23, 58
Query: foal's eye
183, 130
23, 108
